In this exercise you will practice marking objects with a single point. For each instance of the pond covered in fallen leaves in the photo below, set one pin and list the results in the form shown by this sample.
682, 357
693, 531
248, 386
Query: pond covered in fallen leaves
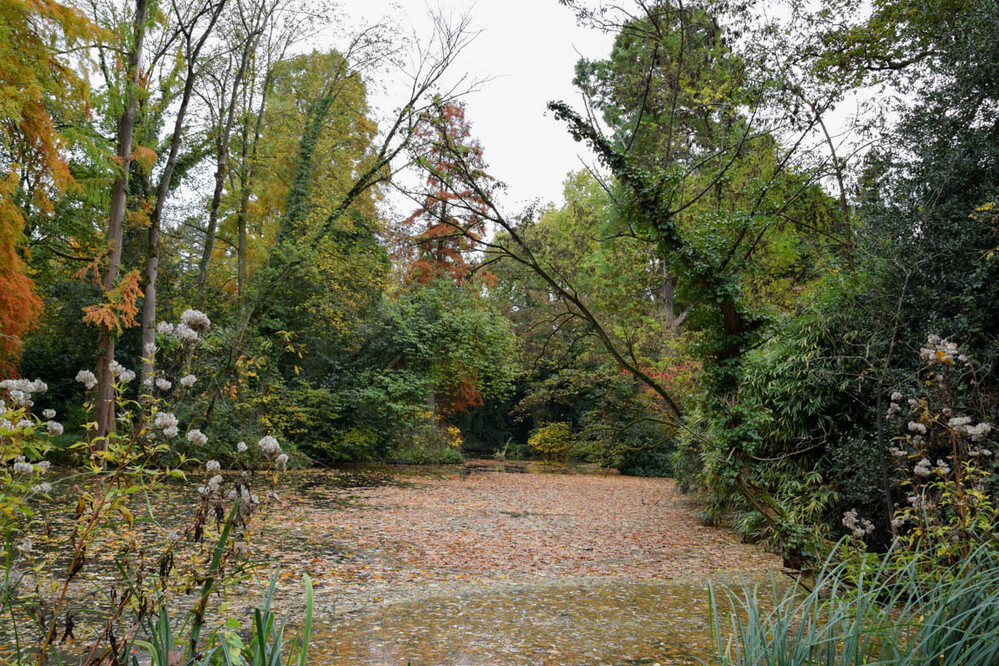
608, 622
487, 564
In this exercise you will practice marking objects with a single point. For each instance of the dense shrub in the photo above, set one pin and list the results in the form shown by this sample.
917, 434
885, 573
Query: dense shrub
554, 442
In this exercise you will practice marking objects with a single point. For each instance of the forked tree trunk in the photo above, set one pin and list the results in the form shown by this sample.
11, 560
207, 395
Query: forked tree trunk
153, 238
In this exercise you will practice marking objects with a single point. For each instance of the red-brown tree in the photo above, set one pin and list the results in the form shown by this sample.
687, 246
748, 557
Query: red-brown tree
443, 232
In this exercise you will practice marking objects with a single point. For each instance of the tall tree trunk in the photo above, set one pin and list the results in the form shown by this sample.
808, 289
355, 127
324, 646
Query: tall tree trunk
105, 420
223, 160
153, 238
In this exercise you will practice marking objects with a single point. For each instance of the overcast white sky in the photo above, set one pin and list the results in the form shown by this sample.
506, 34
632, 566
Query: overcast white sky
528, 49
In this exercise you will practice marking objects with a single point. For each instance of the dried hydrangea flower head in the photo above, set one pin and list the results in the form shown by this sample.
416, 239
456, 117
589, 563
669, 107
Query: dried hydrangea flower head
859, 527
941, 351
196, 320
269, 445
185, 333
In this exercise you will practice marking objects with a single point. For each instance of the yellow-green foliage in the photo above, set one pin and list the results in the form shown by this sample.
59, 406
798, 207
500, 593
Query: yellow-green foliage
553, 441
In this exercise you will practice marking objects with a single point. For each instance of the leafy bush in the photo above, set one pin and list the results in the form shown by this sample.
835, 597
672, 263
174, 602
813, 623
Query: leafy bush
554, 442
944, 454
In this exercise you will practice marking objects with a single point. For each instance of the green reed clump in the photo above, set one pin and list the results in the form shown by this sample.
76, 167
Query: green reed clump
879, 609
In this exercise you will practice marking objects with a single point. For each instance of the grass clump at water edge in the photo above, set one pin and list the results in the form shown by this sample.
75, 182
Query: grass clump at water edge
883, 609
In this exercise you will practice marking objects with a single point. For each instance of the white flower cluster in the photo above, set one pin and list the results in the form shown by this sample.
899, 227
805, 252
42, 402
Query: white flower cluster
163, 384
942, 468
197, 437
187, 381
897, 452
186, 334
939, 350
269, 445
149, 349
55, 428
916, 427
49, 414
196, 320
241, 447
212, 466
166, 422
893, 407
22, 467
43, 488
962, 425
22, 390
87, 378
859, 527
193, 325
923, 468
120, 372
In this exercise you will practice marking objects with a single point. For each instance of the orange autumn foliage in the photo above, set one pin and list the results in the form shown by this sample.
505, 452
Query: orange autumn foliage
34, 80
20, 306
119, 308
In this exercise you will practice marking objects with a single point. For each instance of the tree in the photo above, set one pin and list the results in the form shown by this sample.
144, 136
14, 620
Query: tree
314, 222
193, 43
728, 211
37, 81
118, 309
444, 234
